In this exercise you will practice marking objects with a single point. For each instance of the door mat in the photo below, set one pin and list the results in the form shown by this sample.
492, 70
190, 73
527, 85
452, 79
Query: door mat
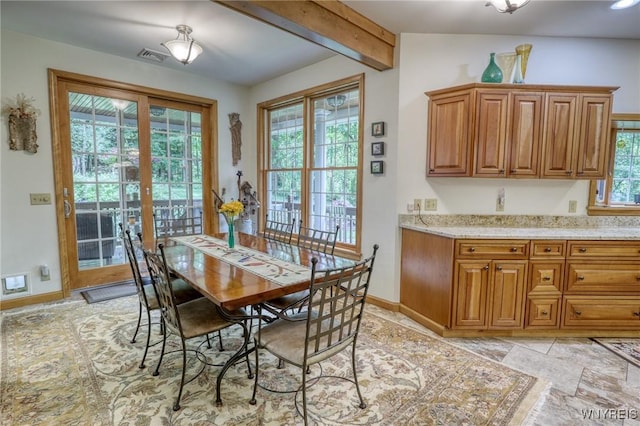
113, 291
628, 349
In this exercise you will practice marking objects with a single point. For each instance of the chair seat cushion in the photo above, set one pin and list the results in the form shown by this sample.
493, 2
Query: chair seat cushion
285, 340
284, 302
200, 316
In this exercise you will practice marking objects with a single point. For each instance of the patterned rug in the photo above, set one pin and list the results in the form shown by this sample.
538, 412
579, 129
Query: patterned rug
627, 349
72, 363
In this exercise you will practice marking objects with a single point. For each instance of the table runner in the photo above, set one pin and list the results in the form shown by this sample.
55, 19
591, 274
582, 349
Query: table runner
258, 263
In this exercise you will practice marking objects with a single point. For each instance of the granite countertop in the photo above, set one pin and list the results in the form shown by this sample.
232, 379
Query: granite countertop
530, 233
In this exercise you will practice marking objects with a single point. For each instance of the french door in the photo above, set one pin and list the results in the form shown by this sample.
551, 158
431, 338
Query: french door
123, 157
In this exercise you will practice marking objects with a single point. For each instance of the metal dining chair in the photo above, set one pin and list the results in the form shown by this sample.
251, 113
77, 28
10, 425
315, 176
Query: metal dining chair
145, 288
177, 227
196, 318
330, 324
278, 231
317, 239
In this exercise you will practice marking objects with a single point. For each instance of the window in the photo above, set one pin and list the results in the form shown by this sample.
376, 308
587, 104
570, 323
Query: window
619, 193
311, 159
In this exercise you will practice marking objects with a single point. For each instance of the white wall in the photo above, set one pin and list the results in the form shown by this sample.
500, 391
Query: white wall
28, 233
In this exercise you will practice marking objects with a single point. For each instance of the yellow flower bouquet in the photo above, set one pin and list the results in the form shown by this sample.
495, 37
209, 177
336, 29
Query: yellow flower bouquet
231, 210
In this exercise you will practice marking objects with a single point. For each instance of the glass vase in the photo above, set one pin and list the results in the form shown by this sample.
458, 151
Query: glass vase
232, 240
493, 73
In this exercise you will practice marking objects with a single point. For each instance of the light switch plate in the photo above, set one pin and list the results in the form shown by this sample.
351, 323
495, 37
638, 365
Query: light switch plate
40, 198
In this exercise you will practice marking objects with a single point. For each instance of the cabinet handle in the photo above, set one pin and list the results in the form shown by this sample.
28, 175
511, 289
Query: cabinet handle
547, 250
514, 249
638, 278
512, 171
499, 268
545, 313
580, 277
431, 170
582, 250
472, 249
501, 171
569, 172
486, 267
637, 314
578, 313
546, 278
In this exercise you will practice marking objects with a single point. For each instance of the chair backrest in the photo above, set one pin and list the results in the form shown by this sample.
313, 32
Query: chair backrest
316, 239
160, 274
133, 263
176, 227
278, 231
335, 310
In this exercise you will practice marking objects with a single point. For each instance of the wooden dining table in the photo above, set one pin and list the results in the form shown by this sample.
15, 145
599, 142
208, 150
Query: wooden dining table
231, 286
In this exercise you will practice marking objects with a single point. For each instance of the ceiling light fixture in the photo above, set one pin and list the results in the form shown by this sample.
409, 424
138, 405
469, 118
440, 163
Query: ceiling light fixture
507, 6
183, 48
119, 104
624, 4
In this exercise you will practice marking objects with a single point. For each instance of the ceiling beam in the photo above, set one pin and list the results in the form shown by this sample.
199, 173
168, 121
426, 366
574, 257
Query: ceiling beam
329, 23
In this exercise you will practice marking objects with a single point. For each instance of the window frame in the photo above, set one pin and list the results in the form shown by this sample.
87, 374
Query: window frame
307, 97
594, 208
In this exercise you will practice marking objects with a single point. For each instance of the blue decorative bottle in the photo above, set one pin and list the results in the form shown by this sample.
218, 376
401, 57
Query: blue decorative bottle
493, 73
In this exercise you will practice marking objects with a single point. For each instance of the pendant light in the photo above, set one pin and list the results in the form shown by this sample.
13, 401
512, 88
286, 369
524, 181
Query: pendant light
183, 48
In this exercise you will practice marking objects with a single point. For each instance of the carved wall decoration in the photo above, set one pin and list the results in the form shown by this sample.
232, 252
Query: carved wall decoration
236, 137
22, 124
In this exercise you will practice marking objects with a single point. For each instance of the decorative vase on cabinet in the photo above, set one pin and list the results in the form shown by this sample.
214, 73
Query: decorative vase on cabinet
493, 73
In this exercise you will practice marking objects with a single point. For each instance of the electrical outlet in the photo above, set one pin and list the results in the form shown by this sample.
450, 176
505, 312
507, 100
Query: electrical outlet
573, 206
430, 204
500, 200
39, 199
417, 204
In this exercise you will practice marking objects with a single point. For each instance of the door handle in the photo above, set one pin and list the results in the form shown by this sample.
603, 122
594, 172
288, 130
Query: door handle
67, 209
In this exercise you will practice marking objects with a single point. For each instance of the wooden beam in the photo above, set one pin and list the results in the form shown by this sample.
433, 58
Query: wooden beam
328, 23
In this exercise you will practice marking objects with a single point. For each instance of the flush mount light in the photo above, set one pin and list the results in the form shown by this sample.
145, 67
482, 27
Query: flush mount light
507, 6
183, 48
623, 4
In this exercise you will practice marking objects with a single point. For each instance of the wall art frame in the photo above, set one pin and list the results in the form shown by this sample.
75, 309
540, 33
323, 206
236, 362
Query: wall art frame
377, 167
377, 148
378, 129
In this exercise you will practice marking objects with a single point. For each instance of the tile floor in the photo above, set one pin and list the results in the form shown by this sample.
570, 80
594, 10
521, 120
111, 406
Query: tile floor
588, 384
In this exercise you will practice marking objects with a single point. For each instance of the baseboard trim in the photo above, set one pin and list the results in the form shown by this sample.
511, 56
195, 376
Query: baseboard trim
383, 303
31, 300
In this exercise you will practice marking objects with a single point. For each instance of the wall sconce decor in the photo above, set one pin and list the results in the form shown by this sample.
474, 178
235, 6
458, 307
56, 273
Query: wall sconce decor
377, 167
377, 128
377, 148
22, 124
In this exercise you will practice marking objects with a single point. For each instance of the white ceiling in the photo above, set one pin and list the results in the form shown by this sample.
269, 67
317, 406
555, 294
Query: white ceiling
245, 51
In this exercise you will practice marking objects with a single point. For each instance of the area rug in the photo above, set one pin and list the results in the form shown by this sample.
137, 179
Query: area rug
627, 349
72, 363
109, 292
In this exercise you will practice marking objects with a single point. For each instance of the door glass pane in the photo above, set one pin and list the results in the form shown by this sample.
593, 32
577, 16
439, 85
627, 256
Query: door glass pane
176, 162
106, 181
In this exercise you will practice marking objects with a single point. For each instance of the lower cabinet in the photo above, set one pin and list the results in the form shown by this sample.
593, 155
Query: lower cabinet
467, 287
489, 294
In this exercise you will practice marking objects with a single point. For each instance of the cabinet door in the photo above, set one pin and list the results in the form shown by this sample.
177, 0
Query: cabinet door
470, 295
490, 133
524, 134
450, 124
593, 147
507, 294
560, 135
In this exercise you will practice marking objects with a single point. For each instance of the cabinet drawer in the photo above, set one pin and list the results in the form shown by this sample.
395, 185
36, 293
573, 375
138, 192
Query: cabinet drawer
600, 249
543, 312
498, 249
601, 312
547, 248
603, 277
545, 277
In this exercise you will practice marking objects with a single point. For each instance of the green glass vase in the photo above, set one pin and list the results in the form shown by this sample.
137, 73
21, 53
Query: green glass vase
232, 240
493, 73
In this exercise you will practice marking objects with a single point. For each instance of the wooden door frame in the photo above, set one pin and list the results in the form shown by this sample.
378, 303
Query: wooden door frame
58, 122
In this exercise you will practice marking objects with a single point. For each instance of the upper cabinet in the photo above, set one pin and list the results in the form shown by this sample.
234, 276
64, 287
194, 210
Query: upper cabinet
526, 131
